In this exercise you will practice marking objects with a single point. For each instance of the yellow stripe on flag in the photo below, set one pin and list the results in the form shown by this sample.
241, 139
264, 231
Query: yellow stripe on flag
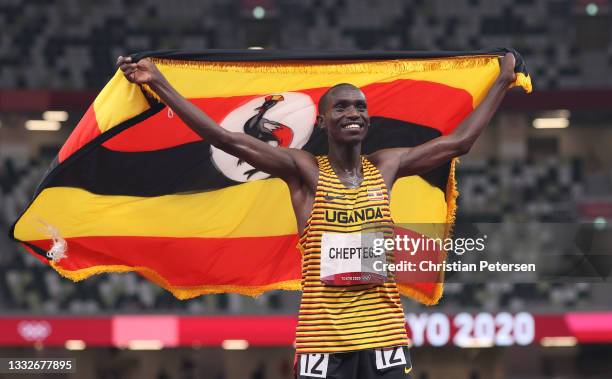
118, 101
254, 209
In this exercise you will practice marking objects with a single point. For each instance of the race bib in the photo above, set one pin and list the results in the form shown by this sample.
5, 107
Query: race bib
313, 365
390, 357
350, 258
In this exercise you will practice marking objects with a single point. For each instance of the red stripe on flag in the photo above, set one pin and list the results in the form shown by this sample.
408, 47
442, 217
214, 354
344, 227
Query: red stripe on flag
86, 130
423, 103
247, 261
165, 129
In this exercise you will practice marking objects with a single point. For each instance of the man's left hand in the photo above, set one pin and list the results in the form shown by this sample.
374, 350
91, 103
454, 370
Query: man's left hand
506, 72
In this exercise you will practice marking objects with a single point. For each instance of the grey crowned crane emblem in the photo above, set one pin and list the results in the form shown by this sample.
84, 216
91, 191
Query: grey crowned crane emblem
266, 130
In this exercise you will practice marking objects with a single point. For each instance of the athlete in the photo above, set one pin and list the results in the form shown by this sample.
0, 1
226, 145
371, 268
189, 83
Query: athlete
344, 331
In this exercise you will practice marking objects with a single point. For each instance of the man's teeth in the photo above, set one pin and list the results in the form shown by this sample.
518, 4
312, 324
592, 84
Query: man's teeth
352, 126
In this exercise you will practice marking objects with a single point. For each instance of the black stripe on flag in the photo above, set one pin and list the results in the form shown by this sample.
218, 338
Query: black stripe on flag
189, 168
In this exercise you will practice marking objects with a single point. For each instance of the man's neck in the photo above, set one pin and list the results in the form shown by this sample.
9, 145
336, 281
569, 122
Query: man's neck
346, 158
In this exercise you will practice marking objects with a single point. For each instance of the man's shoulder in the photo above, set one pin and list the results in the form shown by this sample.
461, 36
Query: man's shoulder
302, 156
307, 166
384, 156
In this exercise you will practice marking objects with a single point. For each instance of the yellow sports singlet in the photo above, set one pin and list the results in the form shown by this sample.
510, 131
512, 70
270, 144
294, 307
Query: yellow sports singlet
346, 318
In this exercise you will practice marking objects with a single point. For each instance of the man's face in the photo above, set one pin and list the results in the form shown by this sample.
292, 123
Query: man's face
346, 116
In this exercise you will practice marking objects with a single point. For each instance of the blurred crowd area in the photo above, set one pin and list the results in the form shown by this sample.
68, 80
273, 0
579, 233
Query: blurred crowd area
73, 44
506, 192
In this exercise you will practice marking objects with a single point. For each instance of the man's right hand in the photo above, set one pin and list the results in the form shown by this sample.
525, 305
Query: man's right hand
142, 72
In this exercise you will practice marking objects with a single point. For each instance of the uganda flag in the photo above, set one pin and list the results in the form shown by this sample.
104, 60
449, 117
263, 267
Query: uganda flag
135, 189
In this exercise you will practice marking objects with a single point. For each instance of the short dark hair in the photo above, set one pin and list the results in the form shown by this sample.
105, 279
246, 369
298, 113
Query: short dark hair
324, 100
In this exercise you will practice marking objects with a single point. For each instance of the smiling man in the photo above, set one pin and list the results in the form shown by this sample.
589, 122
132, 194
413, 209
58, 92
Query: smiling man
349, 326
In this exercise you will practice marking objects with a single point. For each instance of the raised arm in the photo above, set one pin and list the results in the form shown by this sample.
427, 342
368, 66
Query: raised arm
288, 164
400, 162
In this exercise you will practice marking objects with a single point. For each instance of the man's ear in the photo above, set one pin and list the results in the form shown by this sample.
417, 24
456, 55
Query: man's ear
320, 123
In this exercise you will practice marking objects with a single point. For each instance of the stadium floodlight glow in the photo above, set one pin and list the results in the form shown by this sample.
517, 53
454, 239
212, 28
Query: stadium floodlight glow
477, 343
75, 345
43, 125
145, 345
60, 116
599, 223
564, 113
235, 344
592, 9
255, 48
259, 12
550, 123
568, 341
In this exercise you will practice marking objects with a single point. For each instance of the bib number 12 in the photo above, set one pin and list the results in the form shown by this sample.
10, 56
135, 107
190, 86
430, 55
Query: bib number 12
314, 365
386, 358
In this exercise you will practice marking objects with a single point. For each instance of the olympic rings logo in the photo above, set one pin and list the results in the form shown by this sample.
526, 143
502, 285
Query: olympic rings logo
34, 330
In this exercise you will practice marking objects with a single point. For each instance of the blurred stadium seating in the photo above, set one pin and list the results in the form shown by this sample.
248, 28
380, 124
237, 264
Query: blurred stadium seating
74, 44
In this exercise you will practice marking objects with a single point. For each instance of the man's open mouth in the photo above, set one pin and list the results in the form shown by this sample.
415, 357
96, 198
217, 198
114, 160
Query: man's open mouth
352, 126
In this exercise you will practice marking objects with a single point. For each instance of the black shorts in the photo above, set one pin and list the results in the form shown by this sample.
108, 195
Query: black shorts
388, 363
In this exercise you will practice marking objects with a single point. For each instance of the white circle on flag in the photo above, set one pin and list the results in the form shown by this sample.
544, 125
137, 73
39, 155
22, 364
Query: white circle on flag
287, 118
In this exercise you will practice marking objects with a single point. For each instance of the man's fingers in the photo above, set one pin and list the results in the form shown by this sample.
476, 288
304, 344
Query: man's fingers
130, 71
129, 68
121, 60
125, 66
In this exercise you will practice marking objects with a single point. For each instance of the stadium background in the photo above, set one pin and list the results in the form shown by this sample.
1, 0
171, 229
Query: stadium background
56, 55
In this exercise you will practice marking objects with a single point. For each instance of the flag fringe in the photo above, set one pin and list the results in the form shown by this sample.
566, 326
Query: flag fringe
148, 91
180, 292
390, 67
451, 199
420, 296
523, 81
451, 210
